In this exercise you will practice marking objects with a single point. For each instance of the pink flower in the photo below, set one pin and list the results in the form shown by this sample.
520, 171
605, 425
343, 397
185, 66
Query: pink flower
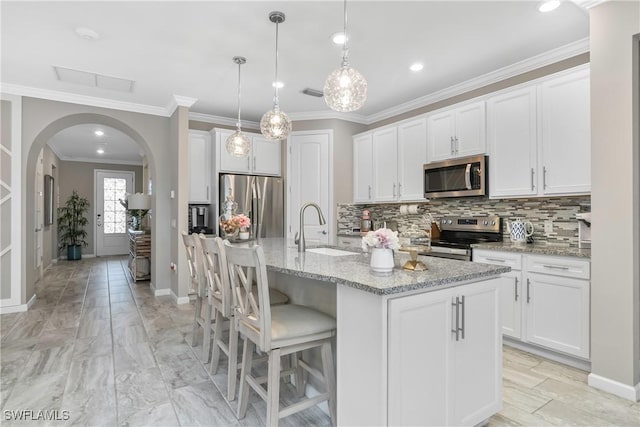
243, 221
381, 238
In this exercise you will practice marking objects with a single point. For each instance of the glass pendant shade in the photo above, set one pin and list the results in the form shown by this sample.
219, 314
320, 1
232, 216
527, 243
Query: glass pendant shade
345, 89
238, 144
275, 125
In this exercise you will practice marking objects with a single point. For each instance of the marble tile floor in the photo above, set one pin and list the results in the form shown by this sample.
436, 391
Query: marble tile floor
107, 351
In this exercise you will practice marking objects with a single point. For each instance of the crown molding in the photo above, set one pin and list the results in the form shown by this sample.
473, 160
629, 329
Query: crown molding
219, 120
72, 98
564, 52
329, 115
105, 161
179, 101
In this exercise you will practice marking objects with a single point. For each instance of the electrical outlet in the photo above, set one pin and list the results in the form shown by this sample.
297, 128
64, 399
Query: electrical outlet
548, 227
173, 267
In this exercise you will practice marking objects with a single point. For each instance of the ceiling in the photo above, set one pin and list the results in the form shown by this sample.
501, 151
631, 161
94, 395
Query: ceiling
186, 49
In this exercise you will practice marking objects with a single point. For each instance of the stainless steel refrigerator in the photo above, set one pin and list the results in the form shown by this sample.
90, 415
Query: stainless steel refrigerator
261, 198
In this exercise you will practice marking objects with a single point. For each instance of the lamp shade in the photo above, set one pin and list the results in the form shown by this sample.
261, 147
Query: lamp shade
138, 201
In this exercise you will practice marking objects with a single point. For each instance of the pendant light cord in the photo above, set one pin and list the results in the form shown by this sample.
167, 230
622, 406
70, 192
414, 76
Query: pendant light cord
239, 104
275, 83
345, 49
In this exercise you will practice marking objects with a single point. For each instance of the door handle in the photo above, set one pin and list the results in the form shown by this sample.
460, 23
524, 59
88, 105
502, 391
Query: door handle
467, 176
207, 192
463, 310
399, 189
457, 145
452, 149
528, 291
394, 189
254, 162
515, 288
369, 192
38, 229
456, 330
544, 177
99, 221
322, 232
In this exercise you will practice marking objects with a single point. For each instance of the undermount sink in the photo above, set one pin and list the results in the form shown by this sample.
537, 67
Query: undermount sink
331, 252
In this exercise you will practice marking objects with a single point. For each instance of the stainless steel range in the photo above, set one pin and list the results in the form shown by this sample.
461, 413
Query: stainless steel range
457, 234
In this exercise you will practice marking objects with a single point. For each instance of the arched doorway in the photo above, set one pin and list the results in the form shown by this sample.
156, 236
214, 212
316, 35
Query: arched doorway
39, 143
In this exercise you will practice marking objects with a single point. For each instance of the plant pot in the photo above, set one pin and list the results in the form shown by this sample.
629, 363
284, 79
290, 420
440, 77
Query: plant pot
74, 252
244, 235
381, 260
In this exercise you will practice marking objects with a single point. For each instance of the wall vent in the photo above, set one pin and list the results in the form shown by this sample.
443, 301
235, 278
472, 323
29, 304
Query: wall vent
86, 78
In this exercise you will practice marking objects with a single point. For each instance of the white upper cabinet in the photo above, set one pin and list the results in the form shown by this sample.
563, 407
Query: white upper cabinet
512, 144
566, 134
385, 165
388, 163
412, 155
264, 156
199, 167
363, 168
457, 132
539, 138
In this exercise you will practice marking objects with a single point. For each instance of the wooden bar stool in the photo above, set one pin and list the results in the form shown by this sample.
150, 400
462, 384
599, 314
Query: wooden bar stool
220, 300
202, 317
277, 331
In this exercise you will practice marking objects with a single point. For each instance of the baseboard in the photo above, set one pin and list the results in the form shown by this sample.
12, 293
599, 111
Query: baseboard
585, 365
83, 256
18, 308
180, 300
614, 387
162, 292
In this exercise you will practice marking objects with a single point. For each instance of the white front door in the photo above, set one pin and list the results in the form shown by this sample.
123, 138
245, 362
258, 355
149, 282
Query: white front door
309, 181
111, 216
39, 213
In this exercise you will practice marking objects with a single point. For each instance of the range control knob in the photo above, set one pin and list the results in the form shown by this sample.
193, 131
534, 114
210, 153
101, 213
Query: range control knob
493, 223
486, 222
449, 222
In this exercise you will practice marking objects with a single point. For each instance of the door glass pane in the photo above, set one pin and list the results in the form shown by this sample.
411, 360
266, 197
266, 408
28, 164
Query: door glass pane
115, 218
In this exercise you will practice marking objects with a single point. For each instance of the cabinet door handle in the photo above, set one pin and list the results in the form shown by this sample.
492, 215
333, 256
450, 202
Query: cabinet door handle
544, 177
369, 192
394, 189
456, 329
248, 162
556, 267
457, 145
496, 259
254, 162
528, 291
532, 186
463, 310
515, 288
452, 149
207, 192
399, 189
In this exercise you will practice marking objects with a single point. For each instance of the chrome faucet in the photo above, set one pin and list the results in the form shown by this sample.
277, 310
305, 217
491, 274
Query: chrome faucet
300, 241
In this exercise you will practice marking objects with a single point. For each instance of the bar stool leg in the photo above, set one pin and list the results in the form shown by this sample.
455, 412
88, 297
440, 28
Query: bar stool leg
247, 360
196, 321
329, 378
233, 361
300, 372
206, 325
273, 388
217, 337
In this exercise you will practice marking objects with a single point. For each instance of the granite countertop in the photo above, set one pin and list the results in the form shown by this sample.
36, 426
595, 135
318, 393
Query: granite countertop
281, 255
535, 248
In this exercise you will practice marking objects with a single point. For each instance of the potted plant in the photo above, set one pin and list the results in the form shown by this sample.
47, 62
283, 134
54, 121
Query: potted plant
71, 223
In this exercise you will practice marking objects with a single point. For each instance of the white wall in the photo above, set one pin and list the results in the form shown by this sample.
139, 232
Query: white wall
615, 284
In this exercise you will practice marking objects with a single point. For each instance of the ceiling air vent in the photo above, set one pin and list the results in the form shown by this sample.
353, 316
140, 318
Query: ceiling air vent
86, 78
313, 92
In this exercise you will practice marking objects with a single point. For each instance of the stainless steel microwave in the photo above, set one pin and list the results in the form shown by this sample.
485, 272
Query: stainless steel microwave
466, 176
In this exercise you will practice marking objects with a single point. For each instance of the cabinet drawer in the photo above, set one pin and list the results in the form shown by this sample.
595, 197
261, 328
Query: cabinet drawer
513, 260
351, 242
559, 266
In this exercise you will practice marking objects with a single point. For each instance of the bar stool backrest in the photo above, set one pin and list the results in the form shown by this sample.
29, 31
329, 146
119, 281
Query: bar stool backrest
216, 273
247, 269
194, 261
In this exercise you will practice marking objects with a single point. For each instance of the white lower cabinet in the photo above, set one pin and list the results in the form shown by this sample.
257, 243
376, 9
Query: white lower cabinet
547, 302
445, 341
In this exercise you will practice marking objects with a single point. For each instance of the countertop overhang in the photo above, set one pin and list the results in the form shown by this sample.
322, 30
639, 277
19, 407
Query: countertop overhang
282, 256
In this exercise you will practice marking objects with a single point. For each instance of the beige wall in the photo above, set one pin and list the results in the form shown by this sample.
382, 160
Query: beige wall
41, 119
615, 152
79, 176
51, 166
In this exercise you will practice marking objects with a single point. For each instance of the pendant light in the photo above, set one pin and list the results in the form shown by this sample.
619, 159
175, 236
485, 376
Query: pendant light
238, 144
275, 124
345, 89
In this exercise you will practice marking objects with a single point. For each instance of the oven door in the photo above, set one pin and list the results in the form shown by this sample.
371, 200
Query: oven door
455, 178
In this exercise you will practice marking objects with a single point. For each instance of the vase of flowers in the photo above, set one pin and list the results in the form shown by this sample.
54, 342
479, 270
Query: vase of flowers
382, 243
236, 226
244, 222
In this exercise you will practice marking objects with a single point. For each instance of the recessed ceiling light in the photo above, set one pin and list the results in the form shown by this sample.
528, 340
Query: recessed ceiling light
99, 132
416, 67
279, 85
548, 6
87, 33
338, 38
100, 151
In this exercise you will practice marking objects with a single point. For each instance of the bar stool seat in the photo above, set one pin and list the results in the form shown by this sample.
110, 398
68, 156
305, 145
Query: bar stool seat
276, 297
291, 324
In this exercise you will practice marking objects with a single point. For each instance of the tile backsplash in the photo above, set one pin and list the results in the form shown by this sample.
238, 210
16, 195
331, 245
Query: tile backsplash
560, 210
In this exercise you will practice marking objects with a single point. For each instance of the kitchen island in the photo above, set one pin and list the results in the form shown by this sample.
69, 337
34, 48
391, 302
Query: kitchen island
412, 348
